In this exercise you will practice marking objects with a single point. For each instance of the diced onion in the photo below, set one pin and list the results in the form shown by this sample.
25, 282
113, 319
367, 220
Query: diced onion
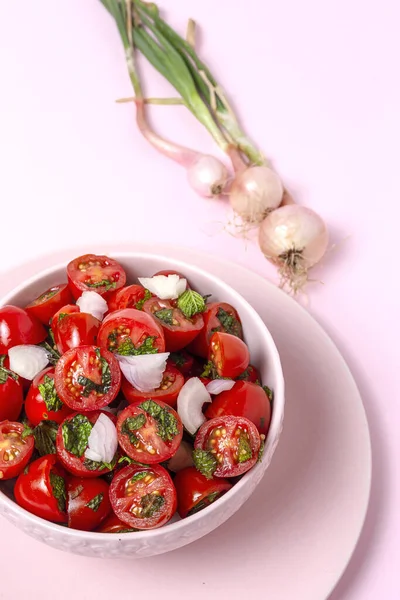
216, 386
144, 372
93, 304
27, 361
165, 287
190, 403
103, 440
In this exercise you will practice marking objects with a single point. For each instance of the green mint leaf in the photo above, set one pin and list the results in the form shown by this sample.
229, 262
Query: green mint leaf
52, 353
132, 424
61, 316
94, 465
229, 323
139, 476
269, 393
191, 303
127, 347
108, 285
26, 431
205, 462
95, 502
139, 304
167, 425
45, 434
48, 392
206, 297
47, 295
204, 503
130, 461
151, 504
210, 372
76, 433
58, 486
244, 448
165, 315
4, 372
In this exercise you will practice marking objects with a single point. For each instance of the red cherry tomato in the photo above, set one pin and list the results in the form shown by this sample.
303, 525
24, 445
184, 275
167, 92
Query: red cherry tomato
114, 525
218, 316
168, 391
183, 361
196, 492
233, 441
245, 399
125, 331
87, 378
149, 432
99, 274
178, 330
48, 303
40, 489
17, 327
11, 393
229, 354
15, 451
88, 503
68, 309
143, 496
250, 374
42, 401
75, 329
71, 444
132, 296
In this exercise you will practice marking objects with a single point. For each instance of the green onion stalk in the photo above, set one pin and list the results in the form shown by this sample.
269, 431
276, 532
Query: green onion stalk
207, 175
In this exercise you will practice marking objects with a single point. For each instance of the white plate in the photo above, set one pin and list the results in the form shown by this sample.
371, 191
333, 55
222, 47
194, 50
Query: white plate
295, 536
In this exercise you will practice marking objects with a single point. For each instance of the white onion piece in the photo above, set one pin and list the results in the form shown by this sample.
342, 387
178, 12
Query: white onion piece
103, 440
190, 403
27, 361
208, 176
165, 287
294, 238
216, 386
255, 191
144, 372
182, 458
93, 304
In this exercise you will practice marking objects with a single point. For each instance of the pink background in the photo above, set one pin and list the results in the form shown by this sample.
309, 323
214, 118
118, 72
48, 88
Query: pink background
317, 85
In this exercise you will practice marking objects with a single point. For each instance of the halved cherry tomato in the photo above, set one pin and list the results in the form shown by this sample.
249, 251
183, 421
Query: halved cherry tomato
183, 361
245, 399
218, 316
48, 303
168, 391
233, 441
229, 354
87, 378
112, 524
132, 296
42, 401
88, 502
178, 330
40, 489
94, 273
149, 432
130, 331
11, 393
196, 492
250, 374
15, 451
17, 327
143, 497
75, 329
72, 442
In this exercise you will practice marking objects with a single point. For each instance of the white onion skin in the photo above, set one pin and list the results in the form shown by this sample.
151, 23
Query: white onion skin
293, 229
208, 176
255, 192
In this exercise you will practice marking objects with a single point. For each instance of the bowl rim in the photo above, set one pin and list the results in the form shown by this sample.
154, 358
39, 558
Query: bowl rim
276, 420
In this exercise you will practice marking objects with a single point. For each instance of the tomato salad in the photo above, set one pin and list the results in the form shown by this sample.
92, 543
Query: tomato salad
122, 403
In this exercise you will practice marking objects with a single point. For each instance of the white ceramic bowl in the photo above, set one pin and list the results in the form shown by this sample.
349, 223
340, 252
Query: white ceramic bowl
178, 532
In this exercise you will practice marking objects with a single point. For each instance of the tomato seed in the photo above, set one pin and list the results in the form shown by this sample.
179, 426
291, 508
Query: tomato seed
213, 442
1, 474
213, 451
156, 493
151, 451
217, 433
237, 432
220, 458
127, 331
223, 431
